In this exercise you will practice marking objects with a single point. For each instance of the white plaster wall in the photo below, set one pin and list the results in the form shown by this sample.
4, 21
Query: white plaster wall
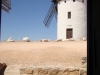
78, 19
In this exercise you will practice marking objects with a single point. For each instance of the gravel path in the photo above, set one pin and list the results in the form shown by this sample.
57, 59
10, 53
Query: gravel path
60, 54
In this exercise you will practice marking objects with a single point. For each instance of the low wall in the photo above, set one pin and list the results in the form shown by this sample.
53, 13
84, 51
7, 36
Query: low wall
56, 71
53, 71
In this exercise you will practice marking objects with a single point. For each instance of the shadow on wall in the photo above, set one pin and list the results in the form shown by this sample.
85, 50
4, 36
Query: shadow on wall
2, 68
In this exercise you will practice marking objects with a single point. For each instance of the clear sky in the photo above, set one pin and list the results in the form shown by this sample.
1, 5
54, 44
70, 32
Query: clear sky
26, 20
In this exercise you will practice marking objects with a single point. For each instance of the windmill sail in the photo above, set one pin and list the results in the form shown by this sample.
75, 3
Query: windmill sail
50, 14
56, 12
50, 18
52, 10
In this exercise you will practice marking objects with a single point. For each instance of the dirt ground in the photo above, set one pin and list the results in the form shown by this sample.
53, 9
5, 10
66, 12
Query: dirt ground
67, 53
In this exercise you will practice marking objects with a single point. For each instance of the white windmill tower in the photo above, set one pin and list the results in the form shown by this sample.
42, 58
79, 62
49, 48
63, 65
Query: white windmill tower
71, 19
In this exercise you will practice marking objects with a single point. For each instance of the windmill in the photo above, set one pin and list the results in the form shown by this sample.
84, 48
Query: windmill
51, 12
71, 16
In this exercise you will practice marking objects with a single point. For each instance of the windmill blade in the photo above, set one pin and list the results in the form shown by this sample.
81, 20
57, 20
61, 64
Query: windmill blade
56, 13
48, 14
55, 3
53, 13
56, 9
48, 21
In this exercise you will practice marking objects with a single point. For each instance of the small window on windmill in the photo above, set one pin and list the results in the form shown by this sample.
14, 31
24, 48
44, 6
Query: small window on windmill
73, 0
69, 15
82, 0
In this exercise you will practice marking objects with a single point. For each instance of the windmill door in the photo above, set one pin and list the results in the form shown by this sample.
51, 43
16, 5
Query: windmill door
69, 33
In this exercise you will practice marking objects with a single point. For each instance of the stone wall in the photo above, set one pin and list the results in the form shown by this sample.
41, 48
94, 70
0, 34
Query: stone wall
55, 71
52, 71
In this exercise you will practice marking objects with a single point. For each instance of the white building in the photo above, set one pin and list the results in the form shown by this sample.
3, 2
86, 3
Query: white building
72, 19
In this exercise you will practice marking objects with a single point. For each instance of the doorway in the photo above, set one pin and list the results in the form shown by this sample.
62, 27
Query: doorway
69, 33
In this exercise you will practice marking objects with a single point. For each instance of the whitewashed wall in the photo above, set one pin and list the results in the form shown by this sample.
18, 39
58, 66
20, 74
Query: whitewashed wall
78, 19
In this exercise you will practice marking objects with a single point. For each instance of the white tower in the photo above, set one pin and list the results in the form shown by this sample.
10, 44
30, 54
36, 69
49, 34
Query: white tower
72, 19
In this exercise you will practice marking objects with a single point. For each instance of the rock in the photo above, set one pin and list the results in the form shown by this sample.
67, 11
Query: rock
84, 65
28, 71
37, 70
2, 68
84, 58
10, 39
26, 39
65, 72
44, 40
40, 40
54, 72
84, 39
43, 72
74, 73
22, 70
58, 40
60, 73
84, 62
83, 71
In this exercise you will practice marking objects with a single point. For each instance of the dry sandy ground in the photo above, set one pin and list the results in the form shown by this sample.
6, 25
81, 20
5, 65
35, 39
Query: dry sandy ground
58, 54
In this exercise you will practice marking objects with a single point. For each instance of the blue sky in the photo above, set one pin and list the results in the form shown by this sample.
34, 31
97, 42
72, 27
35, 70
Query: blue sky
26, 20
